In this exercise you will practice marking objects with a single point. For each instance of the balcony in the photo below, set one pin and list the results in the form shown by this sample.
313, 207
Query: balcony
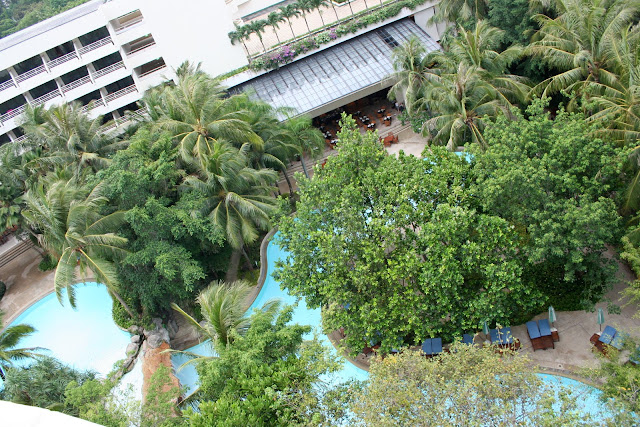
34, 72
62, 59
7, 85
46, 97
93, 104
120, 93
95, 45
106, 70
12, 113
152, 42
128, 24
153, 70
75, 84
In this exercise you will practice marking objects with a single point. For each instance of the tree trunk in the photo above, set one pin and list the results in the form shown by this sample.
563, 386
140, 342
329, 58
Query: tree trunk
246, 257
349, 3
321, 18
366, 6
124, 304
291, 26
304, 166
286, 177
335, 11
304, 15
263, 48
234, 261
276, 33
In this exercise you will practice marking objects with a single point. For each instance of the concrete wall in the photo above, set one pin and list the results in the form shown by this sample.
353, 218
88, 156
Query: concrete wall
435, 31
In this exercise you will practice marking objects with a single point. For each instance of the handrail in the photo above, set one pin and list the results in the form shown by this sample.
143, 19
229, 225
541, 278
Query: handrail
12, 113
24, 76
95, 45
76, 83
146, 73
91, 105
109, 69
46, 97
120, 93
128, 24
138, 49
62, 59
21, 138
7, 84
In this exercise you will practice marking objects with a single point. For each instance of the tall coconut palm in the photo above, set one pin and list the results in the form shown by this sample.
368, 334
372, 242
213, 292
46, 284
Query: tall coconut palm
274, 19
309, 139
460, 104
410, 64
198, 115
239, 35
66, 220
69, 137
457, 11
319, 4
290, 11
235, 197
9, 339
305, 6
578, 42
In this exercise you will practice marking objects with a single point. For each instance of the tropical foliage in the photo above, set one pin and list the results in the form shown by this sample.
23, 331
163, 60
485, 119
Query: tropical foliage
9, 339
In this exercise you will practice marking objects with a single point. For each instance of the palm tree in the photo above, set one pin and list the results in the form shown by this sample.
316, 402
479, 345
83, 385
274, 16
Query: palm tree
9, 339
238, 35
258, 27
305, 6
290, 11
69, 137
224, 311
578, 42
197, 114
235, 197
410, 64
65, 218
317, 4
274, 19
457, 11
308, 138
460, 104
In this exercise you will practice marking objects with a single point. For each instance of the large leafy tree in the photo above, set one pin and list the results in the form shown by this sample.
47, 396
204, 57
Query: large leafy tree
10, 339
553, 181
410, 263
468, 386
66, 219
578, 42
270, 375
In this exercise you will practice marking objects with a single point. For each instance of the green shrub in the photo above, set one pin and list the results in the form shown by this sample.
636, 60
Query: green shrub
48, 263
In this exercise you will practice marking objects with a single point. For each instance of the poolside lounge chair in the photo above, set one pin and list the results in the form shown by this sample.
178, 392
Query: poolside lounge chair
635, 356
503, 338
534, 336
432, 346
467, 339
545, 333
544, 323
608, 337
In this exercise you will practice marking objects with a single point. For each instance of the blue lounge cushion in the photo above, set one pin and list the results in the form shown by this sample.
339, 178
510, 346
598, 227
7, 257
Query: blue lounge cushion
436, 345
545, 328
507, 336
467, 339
493, 333
618, 340
635, 356
607, 335
532, 328
427, 346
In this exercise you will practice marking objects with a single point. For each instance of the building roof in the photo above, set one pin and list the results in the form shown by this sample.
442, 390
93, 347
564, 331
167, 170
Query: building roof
329, 75
32, 416
49, 24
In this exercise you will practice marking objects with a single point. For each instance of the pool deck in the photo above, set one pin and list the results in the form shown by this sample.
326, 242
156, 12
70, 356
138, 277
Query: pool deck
26, 285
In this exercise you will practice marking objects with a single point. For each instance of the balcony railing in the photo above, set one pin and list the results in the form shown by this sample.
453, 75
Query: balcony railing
159, 67
141, 48
95, 45
106, 70
12, 113
21, 138
46, 97
62, 59
120, 93
128, 24
38, 70
93, 104
7, 85
109, 126
71, 86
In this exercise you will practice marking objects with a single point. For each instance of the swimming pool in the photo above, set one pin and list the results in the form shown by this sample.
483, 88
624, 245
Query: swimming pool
588, 396
84, 338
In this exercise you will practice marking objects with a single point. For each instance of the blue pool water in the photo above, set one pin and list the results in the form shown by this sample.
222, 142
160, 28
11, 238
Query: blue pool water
85, 338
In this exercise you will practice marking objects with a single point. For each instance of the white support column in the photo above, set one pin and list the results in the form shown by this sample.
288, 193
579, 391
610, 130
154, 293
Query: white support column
103, 95
45, 60
92, 71
29, 98
77, 46
14, 75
